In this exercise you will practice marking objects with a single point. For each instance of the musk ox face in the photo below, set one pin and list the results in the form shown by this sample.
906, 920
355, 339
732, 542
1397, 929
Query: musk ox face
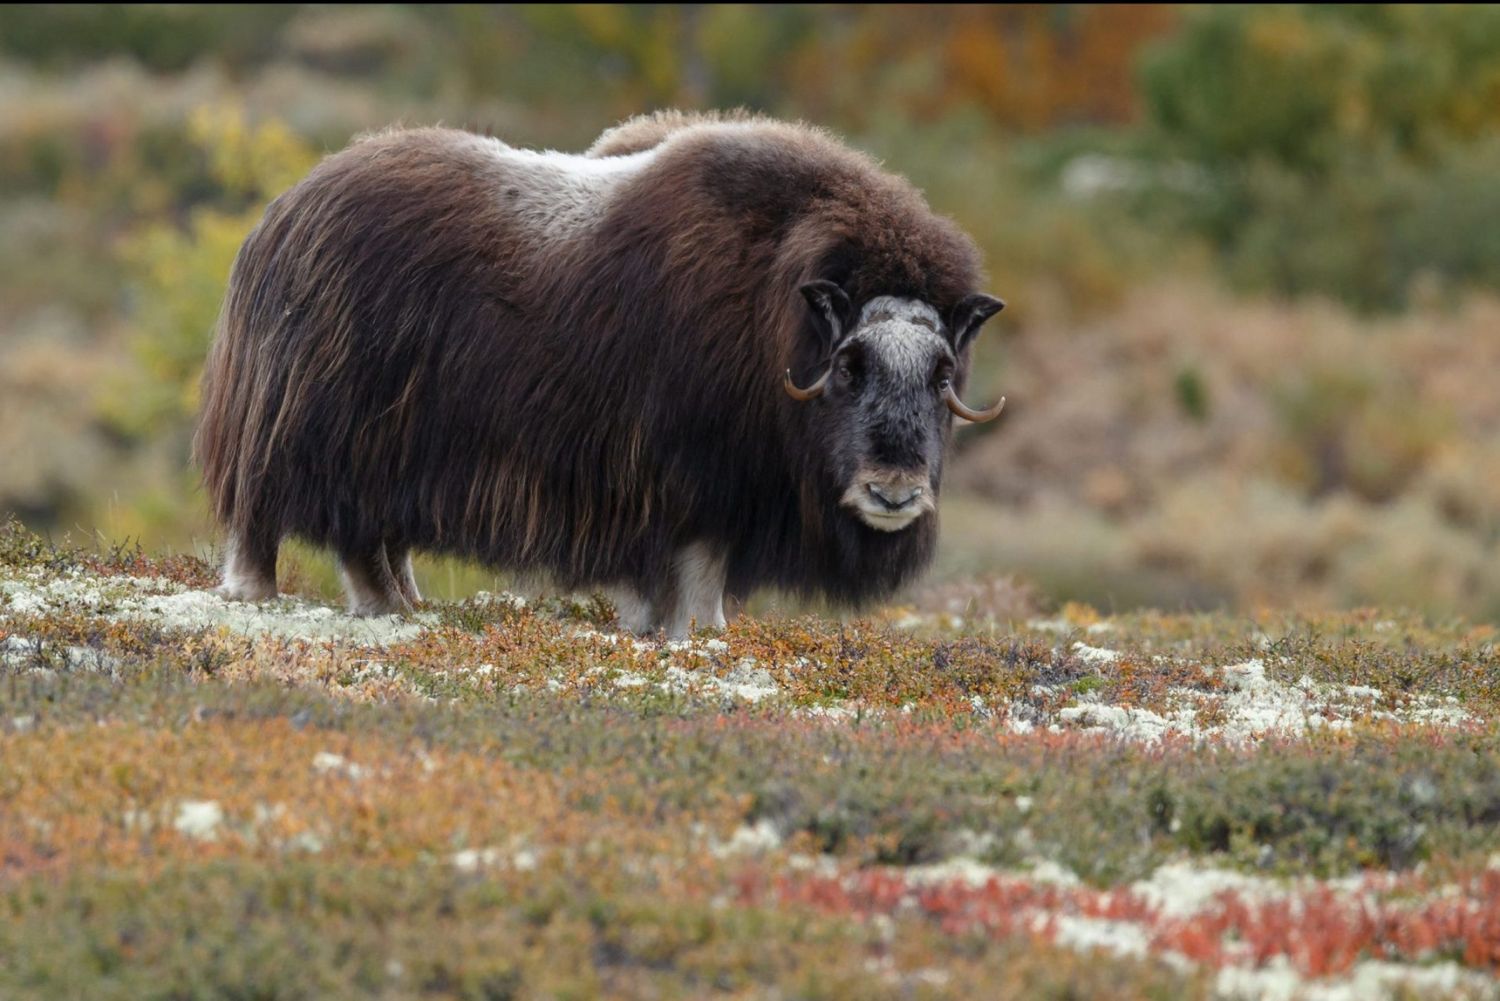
885, 401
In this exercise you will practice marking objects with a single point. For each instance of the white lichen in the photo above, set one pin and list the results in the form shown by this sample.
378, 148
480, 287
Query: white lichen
199, 819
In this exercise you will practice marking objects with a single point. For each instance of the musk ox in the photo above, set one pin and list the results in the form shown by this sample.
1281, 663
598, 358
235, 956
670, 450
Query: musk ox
591, 367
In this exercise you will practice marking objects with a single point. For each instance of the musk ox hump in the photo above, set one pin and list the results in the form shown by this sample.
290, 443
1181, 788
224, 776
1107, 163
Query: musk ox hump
554, 196
647, 131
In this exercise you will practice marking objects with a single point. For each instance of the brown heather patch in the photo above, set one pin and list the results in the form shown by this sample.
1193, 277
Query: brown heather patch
617, 898
130, 560
1147, 682
51, 634
114, 794
1401, 654
812, 661
897, 788
339, 668
20, 549
881, 666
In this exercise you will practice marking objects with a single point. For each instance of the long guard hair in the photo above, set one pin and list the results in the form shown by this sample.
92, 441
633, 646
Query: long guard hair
567, 365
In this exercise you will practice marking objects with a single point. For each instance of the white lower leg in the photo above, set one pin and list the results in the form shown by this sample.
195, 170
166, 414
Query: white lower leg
246, 579
698, 594
399, 563
370, 586
634, 611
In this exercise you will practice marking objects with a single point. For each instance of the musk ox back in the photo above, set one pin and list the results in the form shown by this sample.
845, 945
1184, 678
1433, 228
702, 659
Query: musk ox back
593, 366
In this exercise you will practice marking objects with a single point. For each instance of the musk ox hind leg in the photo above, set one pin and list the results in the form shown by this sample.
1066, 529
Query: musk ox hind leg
249, 567
697, 595
633, 608
370, 583
398, 558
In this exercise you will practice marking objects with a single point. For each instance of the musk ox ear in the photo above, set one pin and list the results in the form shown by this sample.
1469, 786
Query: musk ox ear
831, 311
969, 315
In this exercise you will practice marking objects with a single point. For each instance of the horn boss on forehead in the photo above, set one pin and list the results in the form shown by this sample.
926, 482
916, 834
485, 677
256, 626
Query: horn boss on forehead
968, 315
565, 364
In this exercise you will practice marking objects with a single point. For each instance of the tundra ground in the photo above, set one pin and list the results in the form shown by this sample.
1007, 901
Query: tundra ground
498, 798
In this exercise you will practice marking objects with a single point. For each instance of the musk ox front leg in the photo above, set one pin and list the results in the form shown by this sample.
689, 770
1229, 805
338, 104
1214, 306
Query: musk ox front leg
378, 581
697, 595
249, 568
634, 610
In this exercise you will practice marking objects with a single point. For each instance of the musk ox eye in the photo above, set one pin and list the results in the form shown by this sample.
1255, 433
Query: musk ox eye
846, 370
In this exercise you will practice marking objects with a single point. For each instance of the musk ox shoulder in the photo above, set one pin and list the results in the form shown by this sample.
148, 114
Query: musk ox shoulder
709, 355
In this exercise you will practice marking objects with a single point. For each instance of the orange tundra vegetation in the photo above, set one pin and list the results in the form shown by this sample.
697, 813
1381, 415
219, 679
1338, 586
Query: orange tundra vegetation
126, 795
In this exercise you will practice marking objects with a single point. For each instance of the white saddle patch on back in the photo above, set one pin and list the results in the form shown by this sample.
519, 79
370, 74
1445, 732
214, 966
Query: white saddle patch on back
560, 195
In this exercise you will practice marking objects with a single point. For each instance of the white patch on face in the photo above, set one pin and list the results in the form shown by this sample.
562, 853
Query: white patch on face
912, 486
560, 195
882, 521
905, 333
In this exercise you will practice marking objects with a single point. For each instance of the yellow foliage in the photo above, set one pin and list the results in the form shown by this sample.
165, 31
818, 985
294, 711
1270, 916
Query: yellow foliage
181, 271
1080, 614
254, 161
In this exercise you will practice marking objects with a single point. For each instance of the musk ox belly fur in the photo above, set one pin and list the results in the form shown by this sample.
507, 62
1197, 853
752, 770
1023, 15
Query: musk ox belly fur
573, 365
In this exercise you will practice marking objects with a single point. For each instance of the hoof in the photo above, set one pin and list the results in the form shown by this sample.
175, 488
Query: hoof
245, 591
374, 608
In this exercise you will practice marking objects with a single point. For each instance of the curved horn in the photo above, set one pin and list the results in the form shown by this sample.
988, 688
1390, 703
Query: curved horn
810, 393
976, 416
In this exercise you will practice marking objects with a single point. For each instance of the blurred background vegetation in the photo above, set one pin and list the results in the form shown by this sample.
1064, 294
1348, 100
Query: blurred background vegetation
1252, 254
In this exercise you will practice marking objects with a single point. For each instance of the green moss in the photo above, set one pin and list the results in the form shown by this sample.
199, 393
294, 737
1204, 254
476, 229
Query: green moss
1089, 684
311, 929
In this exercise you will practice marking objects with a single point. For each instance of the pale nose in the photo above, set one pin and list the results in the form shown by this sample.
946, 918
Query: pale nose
894, 498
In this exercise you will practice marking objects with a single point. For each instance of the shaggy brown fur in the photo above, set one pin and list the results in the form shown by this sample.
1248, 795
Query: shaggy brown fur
425, 346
